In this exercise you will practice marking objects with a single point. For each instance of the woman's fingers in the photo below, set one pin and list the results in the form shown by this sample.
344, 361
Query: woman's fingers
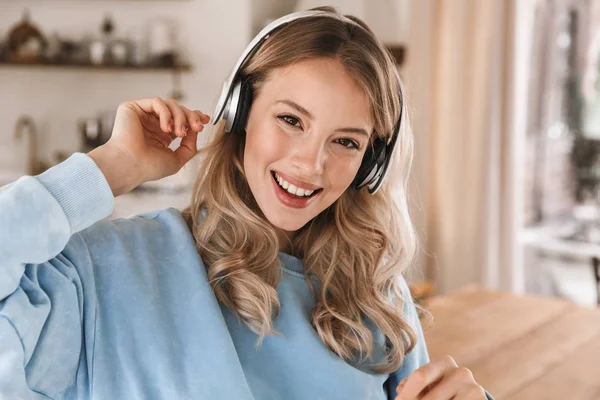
175, 121
187, 148
196, 119
203, 117
425, 376
180, 121
458, 384
173, 117
400, 387
156, 106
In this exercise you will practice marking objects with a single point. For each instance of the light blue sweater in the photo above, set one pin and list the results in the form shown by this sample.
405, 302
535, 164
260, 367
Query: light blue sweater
91, 308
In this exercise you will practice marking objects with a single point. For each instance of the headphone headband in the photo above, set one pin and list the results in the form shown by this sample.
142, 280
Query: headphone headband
232, 103
255, 44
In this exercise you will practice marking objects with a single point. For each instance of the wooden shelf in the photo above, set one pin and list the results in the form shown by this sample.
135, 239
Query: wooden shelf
86, 66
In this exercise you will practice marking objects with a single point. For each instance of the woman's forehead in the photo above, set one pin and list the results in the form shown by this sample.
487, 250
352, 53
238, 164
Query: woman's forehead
322, 86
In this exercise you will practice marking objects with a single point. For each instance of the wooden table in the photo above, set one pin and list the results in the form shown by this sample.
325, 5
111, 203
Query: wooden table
519, 347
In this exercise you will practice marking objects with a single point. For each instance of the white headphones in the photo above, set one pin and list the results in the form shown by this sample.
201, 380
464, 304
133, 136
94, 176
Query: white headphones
236, 98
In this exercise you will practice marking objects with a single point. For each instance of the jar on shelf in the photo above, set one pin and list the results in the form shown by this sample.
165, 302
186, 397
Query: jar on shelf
25, 41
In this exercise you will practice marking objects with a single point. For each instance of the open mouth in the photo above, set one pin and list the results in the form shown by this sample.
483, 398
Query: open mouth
292, 191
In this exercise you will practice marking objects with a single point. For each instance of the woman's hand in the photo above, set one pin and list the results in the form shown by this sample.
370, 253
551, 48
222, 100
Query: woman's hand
440, 380
138, 150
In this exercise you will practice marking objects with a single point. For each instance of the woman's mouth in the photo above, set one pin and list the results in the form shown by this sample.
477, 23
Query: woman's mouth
292, 195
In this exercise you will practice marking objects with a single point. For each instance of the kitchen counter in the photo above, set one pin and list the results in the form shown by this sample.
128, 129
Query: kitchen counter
571, 263
141, 201
138, 201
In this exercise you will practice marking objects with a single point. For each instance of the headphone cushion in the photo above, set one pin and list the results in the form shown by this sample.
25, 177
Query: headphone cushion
375, 156
243, 107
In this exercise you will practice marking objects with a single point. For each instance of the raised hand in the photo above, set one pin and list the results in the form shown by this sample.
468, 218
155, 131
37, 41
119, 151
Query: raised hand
138, 150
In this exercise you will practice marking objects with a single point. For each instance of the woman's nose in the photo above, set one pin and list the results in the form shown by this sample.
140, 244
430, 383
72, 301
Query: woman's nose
309, 158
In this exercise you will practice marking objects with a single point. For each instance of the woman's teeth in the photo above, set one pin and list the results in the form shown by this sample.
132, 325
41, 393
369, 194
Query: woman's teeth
291, 189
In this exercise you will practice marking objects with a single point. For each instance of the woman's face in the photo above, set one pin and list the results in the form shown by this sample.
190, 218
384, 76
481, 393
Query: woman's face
305, 139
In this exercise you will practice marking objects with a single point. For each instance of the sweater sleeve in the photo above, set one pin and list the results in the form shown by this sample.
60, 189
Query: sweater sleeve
419, 355
46, 282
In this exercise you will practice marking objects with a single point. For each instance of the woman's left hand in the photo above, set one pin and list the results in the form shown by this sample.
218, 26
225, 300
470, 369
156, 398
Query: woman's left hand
440, 380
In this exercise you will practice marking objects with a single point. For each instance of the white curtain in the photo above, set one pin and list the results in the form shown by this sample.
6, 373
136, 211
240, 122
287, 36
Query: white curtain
465, 77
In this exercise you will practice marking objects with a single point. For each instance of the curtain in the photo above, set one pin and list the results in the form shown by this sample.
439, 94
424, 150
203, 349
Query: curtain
466, 84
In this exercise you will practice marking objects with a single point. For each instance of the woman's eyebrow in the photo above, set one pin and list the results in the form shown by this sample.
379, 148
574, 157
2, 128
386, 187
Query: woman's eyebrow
360, 131
304, 111
296, 106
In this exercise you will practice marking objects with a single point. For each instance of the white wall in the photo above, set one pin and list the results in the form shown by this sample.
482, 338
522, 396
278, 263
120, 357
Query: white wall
389, 19
263, 11
213, 33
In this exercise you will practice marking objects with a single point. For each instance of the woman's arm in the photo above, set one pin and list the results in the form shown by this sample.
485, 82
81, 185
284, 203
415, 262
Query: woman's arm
38, 215
45, 276
419, 355
47, 288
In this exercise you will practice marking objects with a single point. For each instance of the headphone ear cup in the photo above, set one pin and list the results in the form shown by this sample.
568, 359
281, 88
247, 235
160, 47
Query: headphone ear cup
371, 164
243, 106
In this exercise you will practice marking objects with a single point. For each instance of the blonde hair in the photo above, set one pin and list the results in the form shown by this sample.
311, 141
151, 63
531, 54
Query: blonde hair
357, 248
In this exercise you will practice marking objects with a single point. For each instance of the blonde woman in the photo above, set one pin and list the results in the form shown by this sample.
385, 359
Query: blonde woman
282, 280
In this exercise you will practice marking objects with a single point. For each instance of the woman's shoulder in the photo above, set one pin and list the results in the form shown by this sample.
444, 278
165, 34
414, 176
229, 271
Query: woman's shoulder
163, 225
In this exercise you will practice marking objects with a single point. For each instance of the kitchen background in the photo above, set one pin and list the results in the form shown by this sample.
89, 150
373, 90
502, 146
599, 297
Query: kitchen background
502, 100
105, 52
182, 48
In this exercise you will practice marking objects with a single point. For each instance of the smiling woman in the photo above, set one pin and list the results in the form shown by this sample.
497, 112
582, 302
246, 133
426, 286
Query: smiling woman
310, 117
304, 140
283, 279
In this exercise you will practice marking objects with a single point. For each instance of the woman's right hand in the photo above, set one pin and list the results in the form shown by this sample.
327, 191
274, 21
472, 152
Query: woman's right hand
138, 149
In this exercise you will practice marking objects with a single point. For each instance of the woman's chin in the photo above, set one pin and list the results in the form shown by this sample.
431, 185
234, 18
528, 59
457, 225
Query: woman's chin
286, 223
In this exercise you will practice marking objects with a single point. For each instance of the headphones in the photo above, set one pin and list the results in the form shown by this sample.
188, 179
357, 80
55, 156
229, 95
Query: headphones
236, 98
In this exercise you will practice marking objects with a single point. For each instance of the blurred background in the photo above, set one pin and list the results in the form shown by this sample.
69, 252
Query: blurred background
503, 96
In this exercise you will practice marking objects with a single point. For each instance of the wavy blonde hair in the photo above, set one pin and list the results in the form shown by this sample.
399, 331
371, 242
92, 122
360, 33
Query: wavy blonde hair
357, 248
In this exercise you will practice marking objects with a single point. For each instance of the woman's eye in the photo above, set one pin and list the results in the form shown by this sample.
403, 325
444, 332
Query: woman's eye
292, 121
349, 143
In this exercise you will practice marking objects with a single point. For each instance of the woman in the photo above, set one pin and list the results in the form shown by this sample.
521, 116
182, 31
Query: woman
282, 280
